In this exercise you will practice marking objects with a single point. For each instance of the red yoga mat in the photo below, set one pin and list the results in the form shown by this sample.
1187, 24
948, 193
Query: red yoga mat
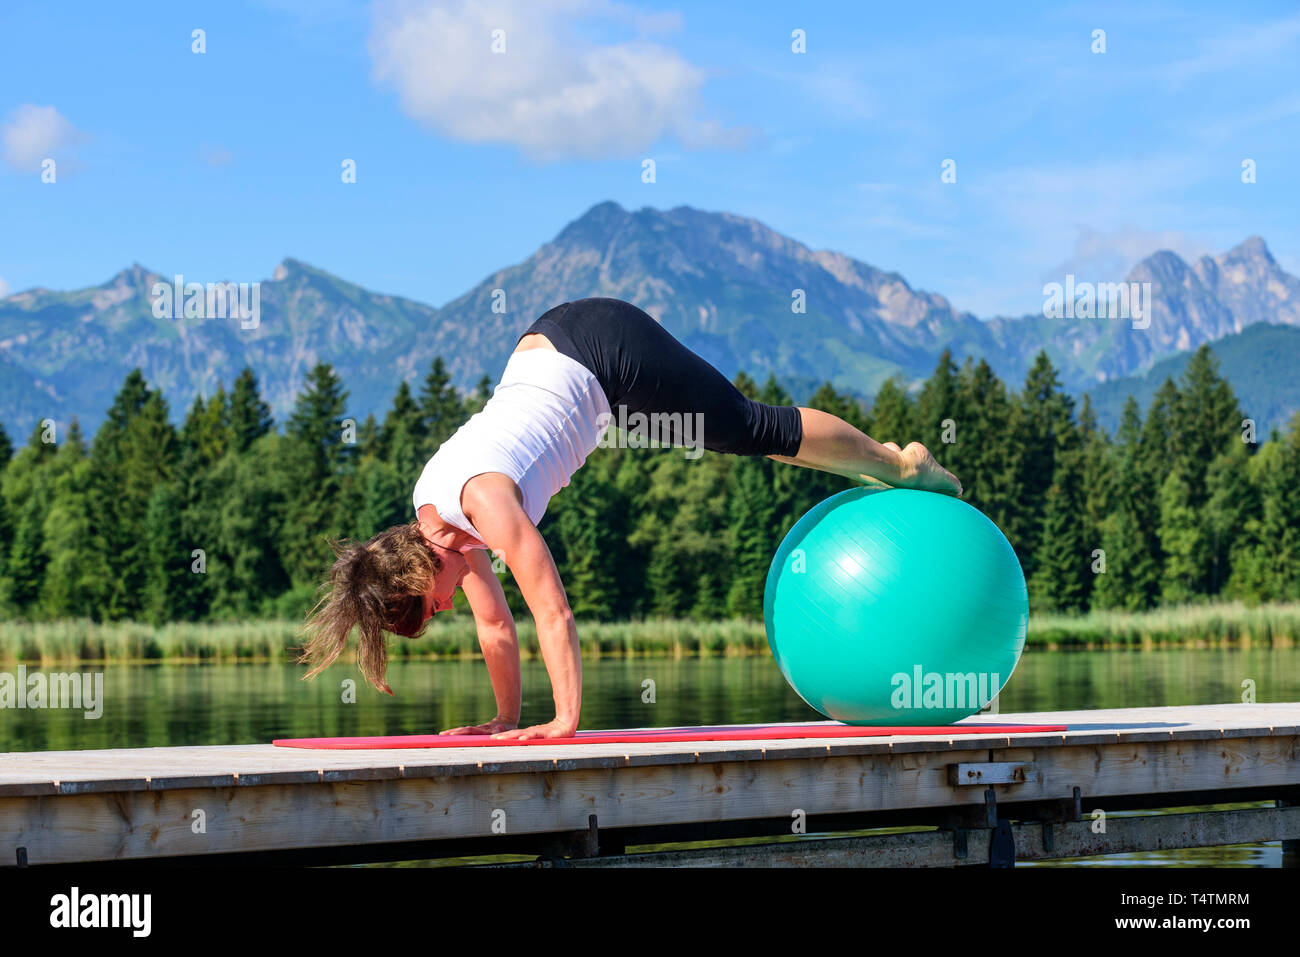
771, 732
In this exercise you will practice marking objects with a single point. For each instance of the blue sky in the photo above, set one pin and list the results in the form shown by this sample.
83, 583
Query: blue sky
218, 165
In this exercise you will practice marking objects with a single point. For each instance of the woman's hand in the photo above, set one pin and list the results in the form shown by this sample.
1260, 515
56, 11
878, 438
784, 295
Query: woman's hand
552, 729
494, 726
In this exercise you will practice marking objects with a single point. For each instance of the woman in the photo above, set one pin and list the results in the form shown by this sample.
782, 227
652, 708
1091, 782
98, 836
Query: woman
580, 365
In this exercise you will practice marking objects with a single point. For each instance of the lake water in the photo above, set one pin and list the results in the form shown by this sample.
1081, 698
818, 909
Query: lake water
179, 704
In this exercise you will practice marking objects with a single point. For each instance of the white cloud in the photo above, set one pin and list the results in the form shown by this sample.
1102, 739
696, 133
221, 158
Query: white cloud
1254, 46
1277, 112
33, 134
554, 93
1089, 216
836, 87
4, 288
215, 155
1108, 256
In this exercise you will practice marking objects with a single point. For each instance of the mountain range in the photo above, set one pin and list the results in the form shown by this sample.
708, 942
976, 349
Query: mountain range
726, 286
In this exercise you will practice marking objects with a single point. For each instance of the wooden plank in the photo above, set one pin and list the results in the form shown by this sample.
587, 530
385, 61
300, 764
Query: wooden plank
1159, 767
253, 765
128, 824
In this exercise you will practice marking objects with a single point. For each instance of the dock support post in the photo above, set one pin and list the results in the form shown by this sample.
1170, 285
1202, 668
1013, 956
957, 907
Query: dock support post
582, 845
1002, 842
1290, 849
1002, 846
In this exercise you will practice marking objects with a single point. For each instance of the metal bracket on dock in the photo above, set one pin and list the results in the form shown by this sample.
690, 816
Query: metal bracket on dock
1067, 811
1002, 846
971, 818
1002, 841
993, 772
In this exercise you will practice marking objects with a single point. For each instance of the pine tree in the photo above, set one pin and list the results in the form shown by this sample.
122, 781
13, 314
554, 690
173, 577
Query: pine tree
1126, 572
6, 520
77, 577
1205, 422
27, 561
1232, 499
1155, 454
893, 414
1180, 540
1254, 573
479, 398
205, 436
442, 410
1043, 427
753, 534
1130, 551
938, 407
1062, 564
667, 575
383, 499
134, 450
258, 528
318, 458
704, 530
683, 522
1158, 449
1278, 551
368, 437
1096, 477
26, 488
590, 542
982, 456
317, 422
401, 436
249, 417
168, 596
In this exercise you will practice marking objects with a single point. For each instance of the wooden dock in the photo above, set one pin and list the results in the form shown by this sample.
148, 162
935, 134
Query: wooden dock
986, 799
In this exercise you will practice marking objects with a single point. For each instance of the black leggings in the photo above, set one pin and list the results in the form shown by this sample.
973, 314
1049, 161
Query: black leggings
641, 367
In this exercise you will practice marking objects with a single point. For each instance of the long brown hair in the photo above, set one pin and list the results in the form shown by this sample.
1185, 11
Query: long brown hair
377, 586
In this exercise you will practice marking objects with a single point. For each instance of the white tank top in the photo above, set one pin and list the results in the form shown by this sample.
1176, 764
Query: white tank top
544, 418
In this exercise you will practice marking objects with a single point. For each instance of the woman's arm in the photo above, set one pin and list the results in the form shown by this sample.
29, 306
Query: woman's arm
491, 501
497, 638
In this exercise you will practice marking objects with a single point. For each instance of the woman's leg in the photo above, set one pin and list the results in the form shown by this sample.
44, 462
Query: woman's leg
644, 369
830, 444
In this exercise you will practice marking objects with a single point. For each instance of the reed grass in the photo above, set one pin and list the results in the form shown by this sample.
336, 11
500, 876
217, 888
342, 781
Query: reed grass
74, 640
1220, 623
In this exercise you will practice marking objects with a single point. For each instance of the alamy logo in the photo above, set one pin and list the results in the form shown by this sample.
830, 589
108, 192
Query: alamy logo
1103, 300
935, 689
216, 300
102, 910
55, 690
641, 431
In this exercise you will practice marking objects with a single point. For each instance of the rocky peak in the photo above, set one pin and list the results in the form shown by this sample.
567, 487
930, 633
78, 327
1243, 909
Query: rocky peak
596, 227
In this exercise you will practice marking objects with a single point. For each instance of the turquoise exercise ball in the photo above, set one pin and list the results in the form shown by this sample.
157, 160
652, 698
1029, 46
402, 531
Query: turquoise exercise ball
896, 607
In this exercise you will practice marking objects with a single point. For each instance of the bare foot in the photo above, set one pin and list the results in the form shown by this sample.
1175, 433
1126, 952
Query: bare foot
921, 471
